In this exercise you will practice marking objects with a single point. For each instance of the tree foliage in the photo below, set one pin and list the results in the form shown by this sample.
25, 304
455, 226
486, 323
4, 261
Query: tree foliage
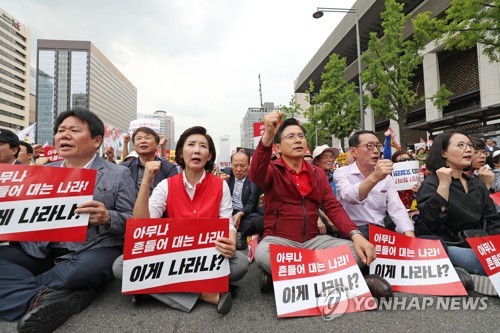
466, 23
338, 100
391, 62
316, 135
293, 108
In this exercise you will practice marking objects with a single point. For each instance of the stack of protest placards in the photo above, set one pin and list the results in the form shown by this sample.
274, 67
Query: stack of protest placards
413, 265
174, 255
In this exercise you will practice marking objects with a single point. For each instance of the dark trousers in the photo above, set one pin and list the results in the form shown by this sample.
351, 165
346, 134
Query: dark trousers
252, 223
23, 276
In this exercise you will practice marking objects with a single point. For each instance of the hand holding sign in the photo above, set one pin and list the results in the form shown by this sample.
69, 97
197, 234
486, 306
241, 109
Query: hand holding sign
99, 215
364, 249
226, 246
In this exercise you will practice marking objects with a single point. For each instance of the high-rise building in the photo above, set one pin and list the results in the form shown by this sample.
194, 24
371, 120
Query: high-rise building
75, 74
253, 115
15, 50
167, 125
224, 153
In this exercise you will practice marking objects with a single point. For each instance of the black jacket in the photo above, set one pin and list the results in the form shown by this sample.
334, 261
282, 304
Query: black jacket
464, 211
250, 194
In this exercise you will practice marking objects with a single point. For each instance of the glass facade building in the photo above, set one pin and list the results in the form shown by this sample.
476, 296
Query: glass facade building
15, 49
76, 75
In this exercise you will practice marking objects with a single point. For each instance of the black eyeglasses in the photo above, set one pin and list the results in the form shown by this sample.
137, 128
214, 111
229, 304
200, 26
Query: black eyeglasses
370, 146
404, 159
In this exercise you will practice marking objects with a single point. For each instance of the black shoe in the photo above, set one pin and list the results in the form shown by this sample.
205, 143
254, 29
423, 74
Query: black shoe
465, 278
51, 308
225, 303
138, 299
266, 281
379, 287
241, 241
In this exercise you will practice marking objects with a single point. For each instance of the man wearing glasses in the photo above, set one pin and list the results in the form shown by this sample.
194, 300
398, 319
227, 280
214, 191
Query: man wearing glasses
293, 191
366, 188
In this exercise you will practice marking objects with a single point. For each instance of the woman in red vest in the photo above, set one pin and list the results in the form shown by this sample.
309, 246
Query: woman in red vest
194, 193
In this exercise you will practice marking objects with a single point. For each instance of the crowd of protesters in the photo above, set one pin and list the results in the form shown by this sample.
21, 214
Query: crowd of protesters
283, 193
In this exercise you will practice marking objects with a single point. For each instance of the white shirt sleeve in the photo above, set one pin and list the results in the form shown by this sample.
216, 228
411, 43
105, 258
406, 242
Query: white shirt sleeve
226, 206
158, 200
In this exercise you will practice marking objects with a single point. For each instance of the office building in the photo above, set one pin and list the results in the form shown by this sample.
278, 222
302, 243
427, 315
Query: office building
253, 115
75, 74
15, 50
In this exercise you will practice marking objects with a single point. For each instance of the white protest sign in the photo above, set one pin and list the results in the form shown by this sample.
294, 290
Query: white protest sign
406, 174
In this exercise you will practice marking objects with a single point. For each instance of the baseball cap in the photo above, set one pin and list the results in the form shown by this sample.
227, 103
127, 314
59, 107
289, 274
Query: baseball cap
495, 153
9, 137
321, 149
132, 154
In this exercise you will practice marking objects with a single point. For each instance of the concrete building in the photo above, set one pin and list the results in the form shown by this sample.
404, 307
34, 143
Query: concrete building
75, 74
253, 115
15, 51
474, 81
167, 125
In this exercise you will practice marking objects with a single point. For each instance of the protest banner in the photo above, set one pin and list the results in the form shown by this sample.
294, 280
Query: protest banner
154, 124
496, 198
38, 203
258, 132
413, 265
174, 255
304, 279
405, 175
487, 250
51, 153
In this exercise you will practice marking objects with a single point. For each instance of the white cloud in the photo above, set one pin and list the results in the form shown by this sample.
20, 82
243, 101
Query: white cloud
197, 59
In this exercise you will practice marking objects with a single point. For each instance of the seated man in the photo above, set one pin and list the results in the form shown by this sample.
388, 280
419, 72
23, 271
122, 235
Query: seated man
146, 141
9, 147
245, 196
366, 188
293, 191
45, 283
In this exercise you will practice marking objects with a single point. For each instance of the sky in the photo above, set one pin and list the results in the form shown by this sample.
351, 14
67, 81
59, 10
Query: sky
199, 60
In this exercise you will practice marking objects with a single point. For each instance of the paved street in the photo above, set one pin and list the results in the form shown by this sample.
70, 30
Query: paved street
255, 312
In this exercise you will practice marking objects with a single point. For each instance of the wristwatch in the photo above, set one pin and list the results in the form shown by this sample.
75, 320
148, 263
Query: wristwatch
355, 232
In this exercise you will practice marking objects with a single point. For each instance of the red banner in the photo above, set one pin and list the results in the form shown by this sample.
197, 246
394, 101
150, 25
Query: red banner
317, 282
258, 129
174, 255
51, 153
413, 265
487, 250
38, 203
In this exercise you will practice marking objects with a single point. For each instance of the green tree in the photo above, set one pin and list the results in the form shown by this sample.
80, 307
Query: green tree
466, 23
338, 100
316, 135
391, 62
292, 109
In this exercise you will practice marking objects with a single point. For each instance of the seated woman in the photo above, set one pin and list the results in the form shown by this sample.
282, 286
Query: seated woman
195, 153
450, 201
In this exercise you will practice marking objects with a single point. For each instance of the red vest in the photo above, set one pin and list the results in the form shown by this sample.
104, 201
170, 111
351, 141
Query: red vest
205, 203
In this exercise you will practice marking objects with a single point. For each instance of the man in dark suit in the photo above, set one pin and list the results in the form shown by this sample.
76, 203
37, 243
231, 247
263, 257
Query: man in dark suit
146, 141
245, 194
45, 283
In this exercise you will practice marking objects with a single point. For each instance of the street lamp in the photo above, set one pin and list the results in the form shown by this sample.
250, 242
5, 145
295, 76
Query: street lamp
318, 14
